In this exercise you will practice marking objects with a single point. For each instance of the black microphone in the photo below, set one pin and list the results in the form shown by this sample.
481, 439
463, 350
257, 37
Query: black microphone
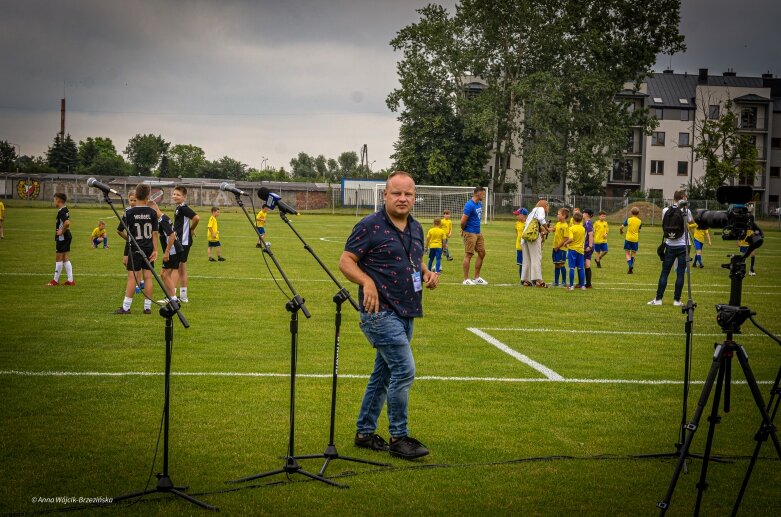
228, 188
275, 200
92, 182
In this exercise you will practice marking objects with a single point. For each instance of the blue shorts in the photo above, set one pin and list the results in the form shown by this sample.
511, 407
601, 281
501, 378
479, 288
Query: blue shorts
743, 249
587, 254
575, 259
261, 230
559, 257
630, 246
697, 245
214, 244
519, 257
601, 247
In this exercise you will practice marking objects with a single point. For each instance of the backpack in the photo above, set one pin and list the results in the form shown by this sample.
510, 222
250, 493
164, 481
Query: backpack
532, 231
673, 224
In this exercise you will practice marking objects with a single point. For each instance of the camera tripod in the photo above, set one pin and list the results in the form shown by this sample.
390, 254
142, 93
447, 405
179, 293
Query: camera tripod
730, 317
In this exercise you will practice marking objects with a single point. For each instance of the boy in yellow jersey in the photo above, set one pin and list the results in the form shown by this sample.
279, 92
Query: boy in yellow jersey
213, 236
744, 248
519, 224
260, 224
633, 225
575, 210
447, 225
560, 237
434, 239
600, 238
2, 218
699, 235
576, 240
98, 235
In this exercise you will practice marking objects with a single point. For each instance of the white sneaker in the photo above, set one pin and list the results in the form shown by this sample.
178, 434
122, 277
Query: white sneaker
184, 300
164, 301
468, 282
751, 273
655, 302
677, 303
479, 281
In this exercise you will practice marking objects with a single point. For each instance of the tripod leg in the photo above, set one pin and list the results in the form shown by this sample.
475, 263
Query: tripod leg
258, 476
319, 478
691, 427
713, 419
193, 500
767, 422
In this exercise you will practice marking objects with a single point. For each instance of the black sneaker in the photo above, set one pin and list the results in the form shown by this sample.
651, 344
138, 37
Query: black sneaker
373, 442
212, 260
122, 311
631, 270
147, 311
408, 448
599, 264
220, 259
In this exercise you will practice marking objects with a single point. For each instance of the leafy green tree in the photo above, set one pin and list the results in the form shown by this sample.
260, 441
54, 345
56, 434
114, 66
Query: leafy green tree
333, 168
7, 156
321, 167
348, 163
303, 166
98, 156
62, 155
186, 160
233, 169
144, 152
35, 165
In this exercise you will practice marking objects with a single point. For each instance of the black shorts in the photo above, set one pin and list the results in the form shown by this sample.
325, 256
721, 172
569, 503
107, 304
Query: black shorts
184, 254
127, 248
137, 263
172, 262
64, 246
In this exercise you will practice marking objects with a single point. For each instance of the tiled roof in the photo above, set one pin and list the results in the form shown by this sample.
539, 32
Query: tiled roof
671, 88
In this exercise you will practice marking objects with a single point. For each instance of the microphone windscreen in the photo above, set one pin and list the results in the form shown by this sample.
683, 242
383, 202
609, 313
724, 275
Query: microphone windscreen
263, 193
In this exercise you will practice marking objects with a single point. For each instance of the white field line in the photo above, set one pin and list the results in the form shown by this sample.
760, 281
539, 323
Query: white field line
207, 277
547, 372
645, 382
616, 332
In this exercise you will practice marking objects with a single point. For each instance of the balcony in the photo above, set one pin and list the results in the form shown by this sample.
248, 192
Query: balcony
751, 124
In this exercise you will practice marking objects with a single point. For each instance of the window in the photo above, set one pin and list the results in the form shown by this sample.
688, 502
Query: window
775, 143
713, 111
683, 168
775, 172
773, 198
683, 101
657, 167
657, 138
684, 115
659, 113
748, 118
622, 171
630, 143
658, 100
683, 139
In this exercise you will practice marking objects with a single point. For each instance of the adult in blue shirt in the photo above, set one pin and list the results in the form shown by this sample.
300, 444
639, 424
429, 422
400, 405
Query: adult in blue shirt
384, 256
473, 239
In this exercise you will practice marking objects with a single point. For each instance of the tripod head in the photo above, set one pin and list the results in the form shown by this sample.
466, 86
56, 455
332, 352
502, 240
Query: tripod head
731, 316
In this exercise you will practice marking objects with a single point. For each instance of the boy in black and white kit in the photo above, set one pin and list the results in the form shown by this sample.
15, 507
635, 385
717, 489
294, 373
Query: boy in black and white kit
185, 221
142, 225
171, 250
62, 239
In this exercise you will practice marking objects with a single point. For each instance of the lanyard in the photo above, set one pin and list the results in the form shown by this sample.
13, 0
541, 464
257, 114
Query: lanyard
401, 238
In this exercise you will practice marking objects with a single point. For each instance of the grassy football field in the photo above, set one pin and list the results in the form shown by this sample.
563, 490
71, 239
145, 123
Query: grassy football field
532, 401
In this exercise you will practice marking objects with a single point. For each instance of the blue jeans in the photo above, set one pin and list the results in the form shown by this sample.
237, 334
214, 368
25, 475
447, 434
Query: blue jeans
435, 253
394, 371
672, 254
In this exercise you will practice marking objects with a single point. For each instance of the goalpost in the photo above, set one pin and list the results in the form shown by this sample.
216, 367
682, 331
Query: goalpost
432, 200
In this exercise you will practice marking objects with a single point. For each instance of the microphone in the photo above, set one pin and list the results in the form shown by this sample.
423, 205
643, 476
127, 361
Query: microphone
92, 182
228, 188
275, 200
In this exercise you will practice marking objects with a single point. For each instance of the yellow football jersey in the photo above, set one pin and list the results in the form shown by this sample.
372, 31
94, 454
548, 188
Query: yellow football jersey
561, 234
578, 235
518, 231
213, 235
447, 226
699, 234
633, 225
744, 242
600, 232
260, 219
435, 236
97, 233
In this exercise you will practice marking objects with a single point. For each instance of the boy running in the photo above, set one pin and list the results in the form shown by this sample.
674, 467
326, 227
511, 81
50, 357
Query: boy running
631, 243
213, 236
699, 236
600, 238
260, 224
559, 254
141, 221
185, 222
434, 239
62, 239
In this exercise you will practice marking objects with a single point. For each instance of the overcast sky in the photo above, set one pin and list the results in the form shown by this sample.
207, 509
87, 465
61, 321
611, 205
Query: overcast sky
262, 78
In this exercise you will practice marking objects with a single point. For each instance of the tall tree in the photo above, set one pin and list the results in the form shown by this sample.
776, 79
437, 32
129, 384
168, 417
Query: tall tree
186, 160
62, 155
303, 166
7, 156
99, 156
348, 162
144, 152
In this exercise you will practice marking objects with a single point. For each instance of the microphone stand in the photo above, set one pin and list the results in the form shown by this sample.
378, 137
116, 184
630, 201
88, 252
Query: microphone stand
164, 482
343, 295
295, 304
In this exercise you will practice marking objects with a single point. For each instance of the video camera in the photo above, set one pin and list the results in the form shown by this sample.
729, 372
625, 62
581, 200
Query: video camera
737, 220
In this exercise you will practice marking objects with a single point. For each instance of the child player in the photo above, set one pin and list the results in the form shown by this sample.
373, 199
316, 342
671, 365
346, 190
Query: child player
699, 235
171, 248
600, 238
213, 236
98, 235
434, 239
560, 237
185, 221
575, 254
62, 239
2, 218
588, 247
142, 226
260, 224
633, 225
447, 225
131, 200
743, 244
519, 225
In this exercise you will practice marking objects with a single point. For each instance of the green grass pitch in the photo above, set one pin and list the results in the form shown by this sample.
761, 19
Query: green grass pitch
504, 439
